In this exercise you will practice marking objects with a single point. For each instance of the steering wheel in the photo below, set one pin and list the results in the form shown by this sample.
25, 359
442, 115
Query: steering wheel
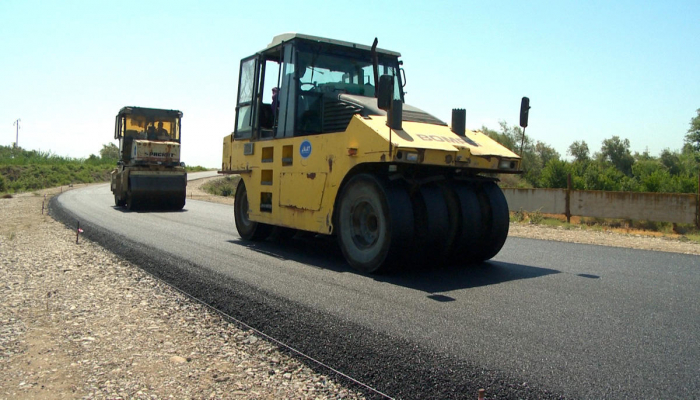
312, 84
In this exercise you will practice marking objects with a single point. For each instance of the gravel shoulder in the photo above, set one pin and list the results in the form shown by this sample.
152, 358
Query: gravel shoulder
79, 322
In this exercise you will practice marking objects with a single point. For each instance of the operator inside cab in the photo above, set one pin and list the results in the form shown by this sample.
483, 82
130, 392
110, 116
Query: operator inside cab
162, 133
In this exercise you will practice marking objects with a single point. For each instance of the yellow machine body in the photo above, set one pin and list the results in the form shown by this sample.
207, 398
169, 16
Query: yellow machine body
155, 152
336, 151
287, 189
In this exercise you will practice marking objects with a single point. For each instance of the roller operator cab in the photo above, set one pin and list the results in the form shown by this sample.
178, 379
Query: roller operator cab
149, 171
324, 143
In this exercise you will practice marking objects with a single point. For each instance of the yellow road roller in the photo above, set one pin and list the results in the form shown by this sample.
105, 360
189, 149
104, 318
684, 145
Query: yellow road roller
149, 172
325, 143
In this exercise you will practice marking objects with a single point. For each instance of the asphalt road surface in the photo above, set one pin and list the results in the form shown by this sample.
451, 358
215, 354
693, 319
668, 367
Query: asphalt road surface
541, 320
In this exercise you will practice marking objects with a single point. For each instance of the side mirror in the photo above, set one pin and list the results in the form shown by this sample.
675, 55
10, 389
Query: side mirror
524, 111
385, 92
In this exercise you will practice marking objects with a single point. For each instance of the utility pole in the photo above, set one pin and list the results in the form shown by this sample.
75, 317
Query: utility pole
16, 123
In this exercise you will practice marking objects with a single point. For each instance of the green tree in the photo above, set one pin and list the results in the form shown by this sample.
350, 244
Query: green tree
93, 159
503, 138
650, 175
689, 161
509, 136
693, 136
109, 152
671, 160
513, 138
598, 176
546, 153
554, 174
579, 151
617, 152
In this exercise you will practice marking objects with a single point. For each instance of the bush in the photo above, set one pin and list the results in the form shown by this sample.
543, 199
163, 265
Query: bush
519, 216
536, 217
554, 174
223, 186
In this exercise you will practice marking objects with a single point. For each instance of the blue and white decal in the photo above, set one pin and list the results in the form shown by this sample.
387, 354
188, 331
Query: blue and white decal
305, 149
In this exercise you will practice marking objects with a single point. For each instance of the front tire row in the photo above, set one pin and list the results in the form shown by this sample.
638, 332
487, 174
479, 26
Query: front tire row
384, 225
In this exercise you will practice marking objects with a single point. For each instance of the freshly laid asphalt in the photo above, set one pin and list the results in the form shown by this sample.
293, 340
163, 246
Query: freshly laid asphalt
541, 320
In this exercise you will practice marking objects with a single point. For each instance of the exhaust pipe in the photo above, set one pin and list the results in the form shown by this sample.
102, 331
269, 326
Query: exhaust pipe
459, 121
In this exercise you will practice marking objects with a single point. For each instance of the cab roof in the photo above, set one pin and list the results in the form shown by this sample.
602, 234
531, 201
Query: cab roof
150, 112
286, 37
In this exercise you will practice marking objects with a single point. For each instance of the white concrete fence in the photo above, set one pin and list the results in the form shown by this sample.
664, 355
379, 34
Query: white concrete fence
660, 207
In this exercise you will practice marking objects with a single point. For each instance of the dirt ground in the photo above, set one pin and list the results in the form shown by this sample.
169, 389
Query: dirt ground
78, 322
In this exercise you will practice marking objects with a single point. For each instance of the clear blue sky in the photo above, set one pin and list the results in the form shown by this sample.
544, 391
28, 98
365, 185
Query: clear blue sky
592, 69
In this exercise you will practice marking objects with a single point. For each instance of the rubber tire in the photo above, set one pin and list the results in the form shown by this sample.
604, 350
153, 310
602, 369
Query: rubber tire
469, 222
496, 219
130, 202
434, 231
451, 235
247, 229
118, 201
375, 223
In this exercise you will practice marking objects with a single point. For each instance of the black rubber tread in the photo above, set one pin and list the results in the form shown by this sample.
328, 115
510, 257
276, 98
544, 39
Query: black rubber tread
470, 223
130, 203
496, 221
433, 232
390, 216
118, 201
248, 230
178, 203
454, 219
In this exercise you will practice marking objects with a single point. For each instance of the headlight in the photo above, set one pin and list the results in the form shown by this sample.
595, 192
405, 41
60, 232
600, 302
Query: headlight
507, 164
407, 156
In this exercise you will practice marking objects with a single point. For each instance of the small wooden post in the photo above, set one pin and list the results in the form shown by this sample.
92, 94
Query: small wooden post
567, 211
77, 233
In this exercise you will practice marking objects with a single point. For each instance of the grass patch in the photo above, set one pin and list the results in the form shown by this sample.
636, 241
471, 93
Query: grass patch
30, 170
25, 178
692, 237
196, 168
518, 216
536, 217
225, 186
557, 223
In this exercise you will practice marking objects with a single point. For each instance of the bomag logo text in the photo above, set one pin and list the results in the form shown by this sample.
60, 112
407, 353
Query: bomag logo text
446, 139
